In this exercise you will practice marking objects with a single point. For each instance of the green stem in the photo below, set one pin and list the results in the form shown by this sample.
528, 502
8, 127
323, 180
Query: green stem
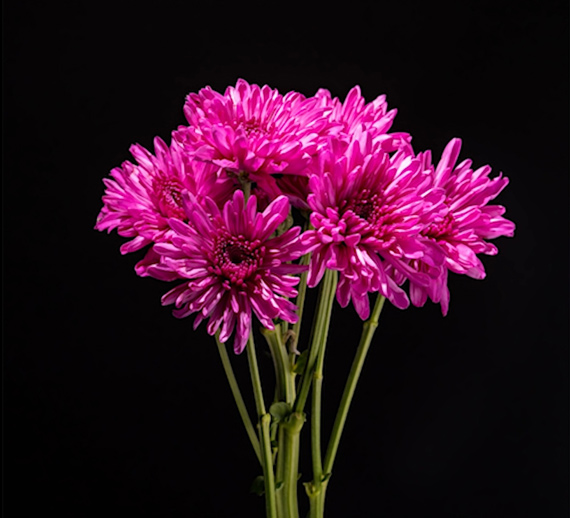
289, 430
280, 474
288, 464
246, 186
268, 476
320, 330
368, 330
255, 379
284, 377
300, 302
264, 424
288, 443
316, 509
238, 398
320, 345
290, 479
314, 373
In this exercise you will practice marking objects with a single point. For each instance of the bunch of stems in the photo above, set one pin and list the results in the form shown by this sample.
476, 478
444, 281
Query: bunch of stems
275, 438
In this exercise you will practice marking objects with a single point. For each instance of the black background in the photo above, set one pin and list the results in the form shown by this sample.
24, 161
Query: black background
114, 407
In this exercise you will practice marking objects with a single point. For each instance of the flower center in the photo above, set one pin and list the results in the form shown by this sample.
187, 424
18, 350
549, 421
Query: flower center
236, 258
253, 128
169, 194
237, 254
366, 206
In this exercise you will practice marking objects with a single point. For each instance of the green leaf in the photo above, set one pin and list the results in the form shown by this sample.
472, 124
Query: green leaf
258, 485
299, 366
280, 410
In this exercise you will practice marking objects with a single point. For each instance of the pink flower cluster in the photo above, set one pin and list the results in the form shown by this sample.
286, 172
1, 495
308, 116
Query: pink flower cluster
215, 207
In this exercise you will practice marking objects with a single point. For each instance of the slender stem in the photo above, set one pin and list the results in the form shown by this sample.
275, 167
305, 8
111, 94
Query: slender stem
271, 339
321, 342
287, 450
318, 339
255, 379
320, 326
289, 430
368, 330
280, 474
300, 302
264, 422
274, 445
246, 186
238, 398
284, 377
268, 476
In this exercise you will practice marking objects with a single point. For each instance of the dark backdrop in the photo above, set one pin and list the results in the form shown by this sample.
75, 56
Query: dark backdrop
114, 407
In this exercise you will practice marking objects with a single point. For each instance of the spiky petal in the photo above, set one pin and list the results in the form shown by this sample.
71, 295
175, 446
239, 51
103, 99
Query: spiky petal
468, 221
350, 116
231, 265
253, 133
141, 198
368, 210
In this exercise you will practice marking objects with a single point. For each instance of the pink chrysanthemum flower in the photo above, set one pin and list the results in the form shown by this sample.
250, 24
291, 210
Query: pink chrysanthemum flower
350, 116
141, 198
345, 120
232, 265
462, 230
253, 133
368, 210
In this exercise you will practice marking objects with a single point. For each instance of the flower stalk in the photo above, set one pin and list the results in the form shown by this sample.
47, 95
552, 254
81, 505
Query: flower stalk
288, 465
284, 375
321, 342
238, 398
300, 303
319, 334
368, 330
288, 427
264, 432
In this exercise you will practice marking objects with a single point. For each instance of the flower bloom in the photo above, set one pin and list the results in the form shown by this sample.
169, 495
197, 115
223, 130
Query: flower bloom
350, 116
141, 198
380, 215
468, 221
368, 211
345, 120
231, 265
253, 133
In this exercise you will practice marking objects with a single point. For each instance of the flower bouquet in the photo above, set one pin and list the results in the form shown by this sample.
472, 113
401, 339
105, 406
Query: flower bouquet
264, 195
